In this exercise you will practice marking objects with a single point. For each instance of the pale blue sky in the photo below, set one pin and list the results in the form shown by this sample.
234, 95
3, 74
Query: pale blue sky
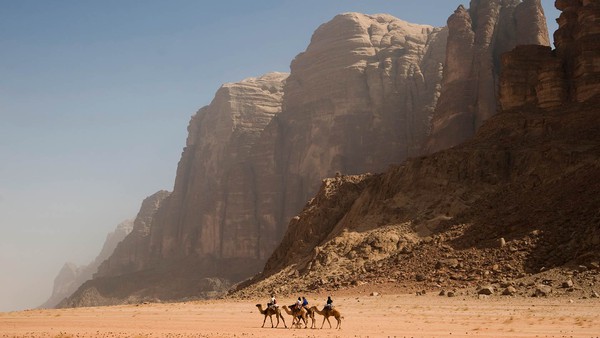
95, 98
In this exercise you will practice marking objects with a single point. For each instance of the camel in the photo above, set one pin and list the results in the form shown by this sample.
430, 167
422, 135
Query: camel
326, 313
269, 312
297, 315
310, 313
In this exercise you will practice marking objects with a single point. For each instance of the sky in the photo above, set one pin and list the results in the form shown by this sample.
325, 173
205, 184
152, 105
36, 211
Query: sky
95, 99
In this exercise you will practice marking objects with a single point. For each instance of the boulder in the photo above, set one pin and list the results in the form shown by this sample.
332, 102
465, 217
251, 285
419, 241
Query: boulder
486, 290
542, 290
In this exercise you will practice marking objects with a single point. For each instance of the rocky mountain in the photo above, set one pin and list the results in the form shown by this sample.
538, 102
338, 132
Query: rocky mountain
182, 242
359, 99
478, 36
121, 254
507, 208
129, 254
71, 276
536, 76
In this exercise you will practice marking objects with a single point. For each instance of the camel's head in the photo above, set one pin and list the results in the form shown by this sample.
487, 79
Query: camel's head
258, 305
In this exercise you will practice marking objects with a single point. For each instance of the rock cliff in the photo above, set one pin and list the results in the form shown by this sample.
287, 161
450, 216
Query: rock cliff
539, 77
183, 243
210, 221
517, 199
71, 277
478, 36
358, 99
132, 252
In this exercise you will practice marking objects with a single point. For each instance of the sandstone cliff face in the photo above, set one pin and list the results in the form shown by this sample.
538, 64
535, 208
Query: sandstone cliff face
529, 177
477, 39
210, 219
71, 277
538, 77
357, 100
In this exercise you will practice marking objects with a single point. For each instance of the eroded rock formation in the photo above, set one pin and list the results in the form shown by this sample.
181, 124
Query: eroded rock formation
358, 99
539, 77
478, 36
516, 199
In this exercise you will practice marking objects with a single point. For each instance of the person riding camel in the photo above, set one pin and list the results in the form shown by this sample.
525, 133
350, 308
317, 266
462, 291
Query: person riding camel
329, 305
299, 304
273, 302
305, 303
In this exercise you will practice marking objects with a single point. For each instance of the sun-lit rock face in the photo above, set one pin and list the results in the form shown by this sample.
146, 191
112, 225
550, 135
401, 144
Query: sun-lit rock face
478, 36
358, 99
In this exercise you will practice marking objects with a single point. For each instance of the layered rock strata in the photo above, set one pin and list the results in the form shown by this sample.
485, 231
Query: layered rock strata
536, 76
477, 39
358, 99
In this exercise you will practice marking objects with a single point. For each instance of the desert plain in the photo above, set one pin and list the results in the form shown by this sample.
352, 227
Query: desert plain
365, 315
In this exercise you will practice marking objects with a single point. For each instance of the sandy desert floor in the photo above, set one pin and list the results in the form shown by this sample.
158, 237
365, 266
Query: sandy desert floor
390, 315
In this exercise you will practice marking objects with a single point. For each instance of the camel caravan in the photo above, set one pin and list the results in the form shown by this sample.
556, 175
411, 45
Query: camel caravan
300, 313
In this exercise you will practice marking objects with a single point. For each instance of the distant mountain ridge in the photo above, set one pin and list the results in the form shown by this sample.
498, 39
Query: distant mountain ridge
71, 276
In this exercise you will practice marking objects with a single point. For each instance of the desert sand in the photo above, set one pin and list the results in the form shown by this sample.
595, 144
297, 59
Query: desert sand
387, 315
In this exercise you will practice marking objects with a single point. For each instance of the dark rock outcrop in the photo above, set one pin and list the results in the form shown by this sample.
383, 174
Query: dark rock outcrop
477, 39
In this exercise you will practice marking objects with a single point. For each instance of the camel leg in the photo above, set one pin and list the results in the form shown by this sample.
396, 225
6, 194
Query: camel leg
329, 322
264, 321
276, 317
323, 323
339, 323
280, 315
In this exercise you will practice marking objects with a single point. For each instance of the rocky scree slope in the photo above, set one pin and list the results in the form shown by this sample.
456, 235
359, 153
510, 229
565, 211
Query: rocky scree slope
520, 198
